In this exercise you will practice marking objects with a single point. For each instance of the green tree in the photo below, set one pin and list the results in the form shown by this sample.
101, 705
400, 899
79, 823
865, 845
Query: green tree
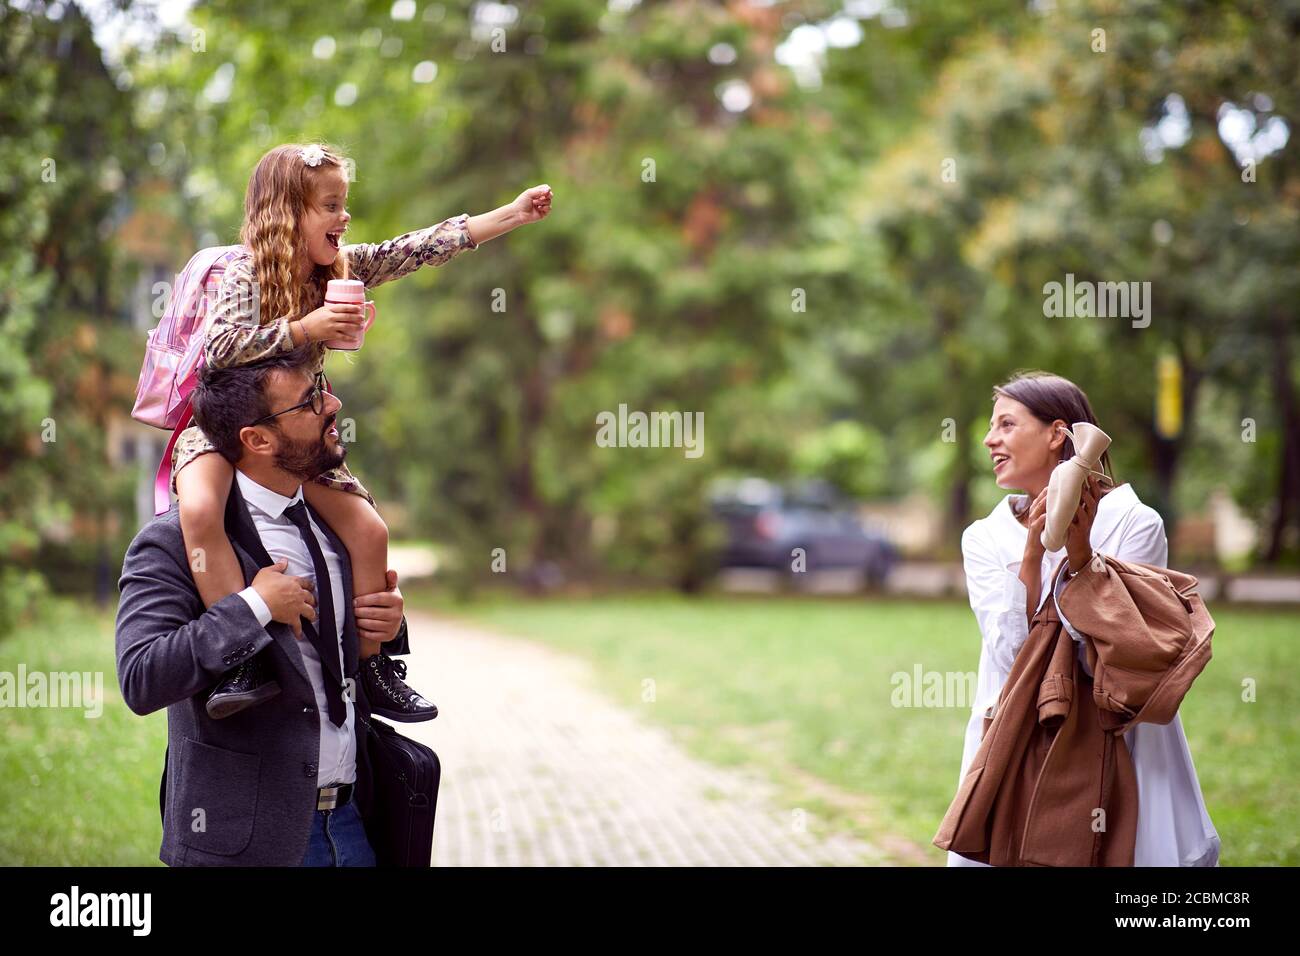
1087, 140
64, 142
664, 280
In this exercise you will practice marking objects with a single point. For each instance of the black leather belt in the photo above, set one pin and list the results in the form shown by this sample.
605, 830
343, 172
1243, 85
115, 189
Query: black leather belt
333, 797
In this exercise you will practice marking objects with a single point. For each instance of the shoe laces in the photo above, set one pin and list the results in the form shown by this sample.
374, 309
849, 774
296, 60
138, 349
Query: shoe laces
384, 665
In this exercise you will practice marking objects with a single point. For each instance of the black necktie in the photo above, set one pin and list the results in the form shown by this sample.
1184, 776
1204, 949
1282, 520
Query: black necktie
325, 638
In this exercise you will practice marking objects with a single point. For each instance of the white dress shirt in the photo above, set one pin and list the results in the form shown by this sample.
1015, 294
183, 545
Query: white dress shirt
337, 762
1173, 827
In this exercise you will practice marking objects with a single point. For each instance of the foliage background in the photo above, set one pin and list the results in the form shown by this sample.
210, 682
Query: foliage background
774, 179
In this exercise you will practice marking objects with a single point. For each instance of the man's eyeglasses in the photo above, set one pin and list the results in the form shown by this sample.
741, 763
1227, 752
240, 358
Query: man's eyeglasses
315, 401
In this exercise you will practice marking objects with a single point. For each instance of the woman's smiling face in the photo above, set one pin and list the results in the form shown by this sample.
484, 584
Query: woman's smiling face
326, 217
1024, 450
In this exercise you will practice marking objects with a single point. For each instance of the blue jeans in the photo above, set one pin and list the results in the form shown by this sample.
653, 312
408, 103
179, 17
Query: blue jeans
338, 838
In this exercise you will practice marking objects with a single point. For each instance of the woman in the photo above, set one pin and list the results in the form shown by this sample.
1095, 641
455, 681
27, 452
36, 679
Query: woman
1005, 564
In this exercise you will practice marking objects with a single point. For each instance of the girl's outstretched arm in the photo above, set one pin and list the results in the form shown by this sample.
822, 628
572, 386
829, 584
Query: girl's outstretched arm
531, 205
377, 263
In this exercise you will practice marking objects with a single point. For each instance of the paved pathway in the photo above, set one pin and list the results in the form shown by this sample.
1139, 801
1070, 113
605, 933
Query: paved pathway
541, 769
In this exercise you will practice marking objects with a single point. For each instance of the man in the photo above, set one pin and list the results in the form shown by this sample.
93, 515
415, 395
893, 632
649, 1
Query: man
286, 782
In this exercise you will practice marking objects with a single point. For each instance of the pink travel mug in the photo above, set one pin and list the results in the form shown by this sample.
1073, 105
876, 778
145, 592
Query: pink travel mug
352, 291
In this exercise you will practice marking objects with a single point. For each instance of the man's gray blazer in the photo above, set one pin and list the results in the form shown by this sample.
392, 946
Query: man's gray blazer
239, 791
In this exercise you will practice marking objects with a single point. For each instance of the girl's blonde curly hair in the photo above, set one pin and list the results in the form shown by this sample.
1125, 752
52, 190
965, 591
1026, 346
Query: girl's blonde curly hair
280, 191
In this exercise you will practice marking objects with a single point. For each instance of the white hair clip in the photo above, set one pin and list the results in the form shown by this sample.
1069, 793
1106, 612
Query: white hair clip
312, 155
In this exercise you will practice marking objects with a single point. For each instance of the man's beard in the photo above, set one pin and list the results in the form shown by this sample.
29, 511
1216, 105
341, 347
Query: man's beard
307, 459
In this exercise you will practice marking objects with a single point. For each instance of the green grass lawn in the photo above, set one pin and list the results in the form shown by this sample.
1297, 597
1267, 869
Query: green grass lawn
76, 789
802, 688
797, 688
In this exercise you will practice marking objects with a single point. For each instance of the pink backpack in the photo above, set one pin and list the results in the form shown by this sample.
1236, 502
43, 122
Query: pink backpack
174, 353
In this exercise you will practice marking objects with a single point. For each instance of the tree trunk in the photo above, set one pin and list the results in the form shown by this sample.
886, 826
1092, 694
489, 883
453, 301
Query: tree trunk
1288, 485
1167, 453
959, 491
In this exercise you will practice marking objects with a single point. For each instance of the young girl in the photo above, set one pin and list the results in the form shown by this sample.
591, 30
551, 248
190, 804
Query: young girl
1008, 574
271, 299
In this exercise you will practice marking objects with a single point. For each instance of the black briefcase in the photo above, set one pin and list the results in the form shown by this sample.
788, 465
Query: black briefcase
405, 775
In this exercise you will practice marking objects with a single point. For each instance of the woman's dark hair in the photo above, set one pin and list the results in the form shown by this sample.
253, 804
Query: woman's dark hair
226, 400
1050, 397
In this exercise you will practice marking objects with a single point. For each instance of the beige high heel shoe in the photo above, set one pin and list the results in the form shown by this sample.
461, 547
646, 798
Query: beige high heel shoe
1065, 487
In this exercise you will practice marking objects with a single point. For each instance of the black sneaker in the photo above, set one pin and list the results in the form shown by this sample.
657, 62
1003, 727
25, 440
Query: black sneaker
245, 686
389, 695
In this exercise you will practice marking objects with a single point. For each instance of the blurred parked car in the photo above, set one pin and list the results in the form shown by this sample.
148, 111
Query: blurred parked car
765, 522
